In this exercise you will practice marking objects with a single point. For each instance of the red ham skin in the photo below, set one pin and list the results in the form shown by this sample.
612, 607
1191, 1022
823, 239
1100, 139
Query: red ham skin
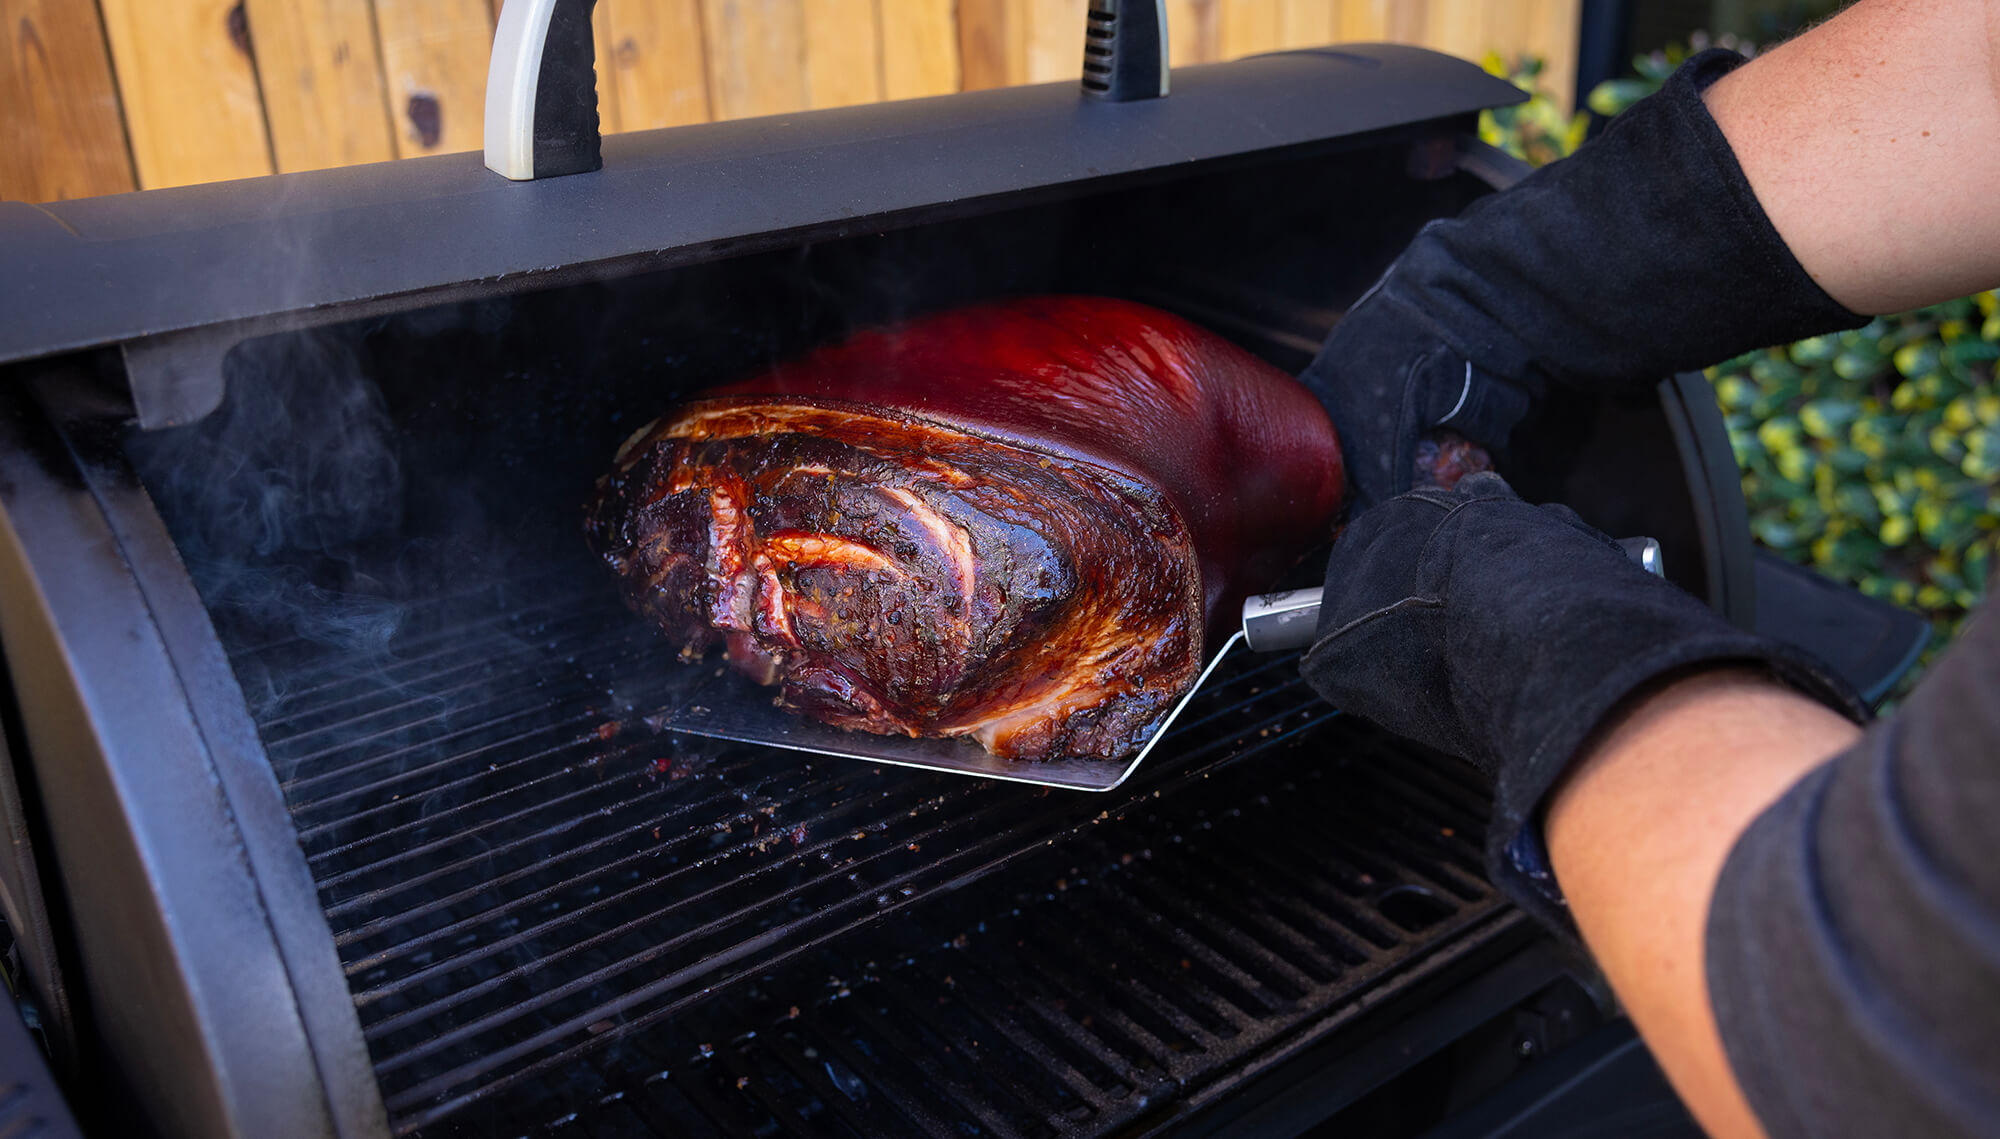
1016, 521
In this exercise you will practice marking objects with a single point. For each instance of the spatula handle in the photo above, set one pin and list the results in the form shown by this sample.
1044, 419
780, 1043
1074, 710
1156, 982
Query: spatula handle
1275, 621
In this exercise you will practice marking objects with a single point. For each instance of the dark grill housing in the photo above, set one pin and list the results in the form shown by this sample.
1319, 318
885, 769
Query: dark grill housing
525, 879
316, 687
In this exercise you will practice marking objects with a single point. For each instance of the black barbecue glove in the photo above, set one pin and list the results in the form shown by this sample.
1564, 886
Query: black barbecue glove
1642, 255
1505, 633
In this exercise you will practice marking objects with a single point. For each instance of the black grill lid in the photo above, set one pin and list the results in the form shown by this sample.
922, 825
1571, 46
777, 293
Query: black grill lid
127, 267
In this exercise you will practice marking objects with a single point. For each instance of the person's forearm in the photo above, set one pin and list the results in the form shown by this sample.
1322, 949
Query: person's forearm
1873, 143
1638, 833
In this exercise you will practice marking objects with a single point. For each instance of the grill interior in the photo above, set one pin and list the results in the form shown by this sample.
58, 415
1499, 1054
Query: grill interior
550, 912
1100, 983
520, 873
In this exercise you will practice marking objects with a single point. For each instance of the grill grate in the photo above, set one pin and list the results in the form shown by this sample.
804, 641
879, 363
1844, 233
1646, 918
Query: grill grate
1095, 984
519, 872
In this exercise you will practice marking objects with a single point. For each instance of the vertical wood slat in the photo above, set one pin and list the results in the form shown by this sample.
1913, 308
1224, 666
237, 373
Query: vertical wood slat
658, 63
1379, 21
1458, 27
756, 56
990, 44
1054, 40
919, 48
337, 80
321, 78
434, 57
60, 131
185, 79
1360, 21
608, 119
1194, 31
1249, 27
1554, 28
842, 42
1306, 23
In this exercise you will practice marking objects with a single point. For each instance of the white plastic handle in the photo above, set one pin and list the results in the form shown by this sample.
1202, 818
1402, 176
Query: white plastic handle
512, 77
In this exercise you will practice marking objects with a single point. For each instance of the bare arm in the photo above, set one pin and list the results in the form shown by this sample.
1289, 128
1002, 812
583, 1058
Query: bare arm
1638, 833
1873, 143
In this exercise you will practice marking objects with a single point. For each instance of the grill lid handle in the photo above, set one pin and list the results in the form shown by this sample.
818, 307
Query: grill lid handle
541, 91
541, 83
1125, 50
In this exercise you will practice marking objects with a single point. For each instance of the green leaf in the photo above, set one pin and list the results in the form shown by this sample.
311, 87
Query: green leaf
1947, 444
1971, 351
1735, 393
1916, 359
1888, 501
1614, 95
1827, 419
1775, 534
1779, 435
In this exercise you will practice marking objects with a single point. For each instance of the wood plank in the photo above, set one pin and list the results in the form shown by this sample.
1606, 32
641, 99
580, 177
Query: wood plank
1054, 40
434, 56
919, 48
60, 132
1194, 31
1554, 28
1405, 21
321, 76
1306, 23
607, 78
756, 57
1249, 27
192, 110
1361, 21
1458, 27
992, 44
843, 52
658, 63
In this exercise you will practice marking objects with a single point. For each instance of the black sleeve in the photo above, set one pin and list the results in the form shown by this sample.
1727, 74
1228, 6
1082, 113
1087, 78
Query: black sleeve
1854, 939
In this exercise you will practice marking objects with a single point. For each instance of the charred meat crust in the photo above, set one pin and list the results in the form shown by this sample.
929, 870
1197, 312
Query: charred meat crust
1016, 521
895, 575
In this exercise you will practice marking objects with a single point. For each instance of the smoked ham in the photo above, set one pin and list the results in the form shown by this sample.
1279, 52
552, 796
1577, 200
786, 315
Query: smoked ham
1017, 522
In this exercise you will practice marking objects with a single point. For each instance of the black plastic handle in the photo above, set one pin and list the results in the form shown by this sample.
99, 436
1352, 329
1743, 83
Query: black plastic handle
567, 138
1125, 50
541, 91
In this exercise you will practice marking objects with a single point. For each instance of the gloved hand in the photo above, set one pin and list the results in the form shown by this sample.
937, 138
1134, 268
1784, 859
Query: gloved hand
1505, 633
1642, 255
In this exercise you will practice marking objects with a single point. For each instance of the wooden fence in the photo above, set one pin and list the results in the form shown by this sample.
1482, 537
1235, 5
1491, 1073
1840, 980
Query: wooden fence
101, 96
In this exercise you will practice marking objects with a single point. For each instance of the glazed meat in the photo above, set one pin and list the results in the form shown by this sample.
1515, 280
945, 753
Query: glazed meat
1016, 522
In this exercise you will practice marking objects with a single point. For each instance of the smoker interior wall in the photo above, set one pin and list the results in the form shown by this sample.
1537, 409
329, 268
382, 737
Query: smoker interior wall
403, 453
357, 466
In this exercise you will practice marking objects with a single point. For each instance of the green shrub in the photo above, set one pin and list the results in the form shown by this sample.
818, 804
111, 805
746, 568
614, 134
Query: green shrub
1873, 455
1537, 130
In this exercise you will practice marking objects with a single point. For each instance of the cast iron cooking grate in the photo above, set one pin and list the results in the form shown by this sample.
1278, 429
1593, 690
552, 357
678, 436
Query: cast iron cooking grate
1134, 968
521, 874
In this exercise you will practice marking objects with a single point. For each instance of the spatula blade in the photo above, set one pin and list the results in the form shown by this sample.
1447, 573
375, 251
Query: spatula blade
729, 707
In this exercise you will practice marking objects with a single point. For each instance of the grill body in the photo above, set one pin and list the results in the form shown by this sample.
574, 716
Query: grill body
333, 797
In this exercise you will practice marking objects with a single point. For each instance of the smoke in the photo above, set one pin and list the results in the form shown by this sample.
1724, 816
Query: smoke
286, 501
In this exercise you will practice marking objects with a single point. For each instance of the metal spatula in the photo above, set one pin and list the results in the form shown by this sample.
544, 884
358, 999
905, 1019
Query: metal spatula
722, 705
